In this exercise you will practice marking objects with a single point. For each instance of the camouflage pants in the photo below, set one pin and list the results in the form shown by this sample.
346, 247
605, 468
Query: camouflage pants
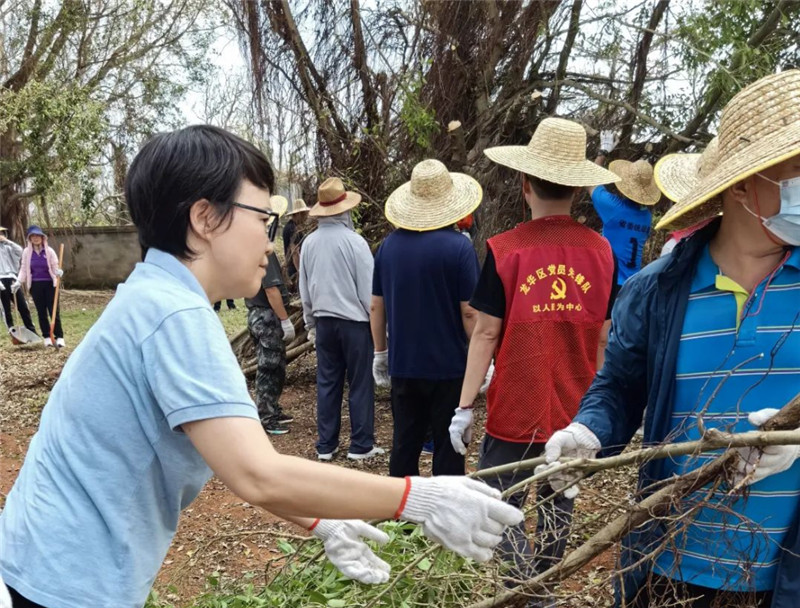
265, 329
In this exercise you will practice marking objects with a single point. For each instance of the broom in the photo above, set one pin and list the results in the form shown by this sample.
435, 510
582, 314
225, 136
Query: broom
55, 300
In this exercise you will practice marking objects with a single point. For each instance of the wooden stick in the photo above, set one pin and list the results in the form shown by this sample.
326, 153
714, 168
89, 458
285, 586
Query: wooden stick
55, 300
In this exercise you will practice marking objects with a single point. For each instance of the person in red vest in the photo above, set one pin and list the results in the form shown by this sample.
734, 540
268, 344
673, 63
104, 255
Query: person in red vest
544, 299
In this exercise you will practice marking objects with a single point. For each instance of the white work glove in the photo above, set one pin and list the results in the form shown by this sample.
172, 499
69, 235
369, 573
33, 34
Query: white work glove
488, 379
755, 463
288, 330
342, 539
15, 286
462, 514
59, 272
5, 597
608, 141
380, 369
575, 441
312, 336
461, 429
2, 287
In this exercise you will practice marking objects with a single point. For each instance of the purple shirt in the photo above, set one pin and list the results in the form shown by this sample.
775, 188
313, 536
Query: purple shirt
39, 268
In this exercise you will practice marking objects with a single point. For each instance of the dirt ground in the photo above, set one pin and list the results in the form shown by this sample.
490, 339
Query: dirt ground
219, 532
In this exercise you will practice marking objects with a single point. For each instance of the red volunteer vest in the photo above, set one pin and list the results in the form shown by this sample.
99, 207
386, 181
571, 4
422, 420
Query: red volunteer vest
557, 277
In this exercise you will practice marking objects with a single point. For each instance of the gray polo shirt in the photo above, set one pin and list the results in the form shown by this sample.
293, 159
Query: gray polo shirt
335, 272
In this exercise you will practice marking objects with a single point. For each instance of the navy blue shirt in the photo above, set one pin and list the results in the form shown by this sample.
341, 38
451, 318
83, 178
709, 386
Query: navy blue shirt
423, 277
626, 225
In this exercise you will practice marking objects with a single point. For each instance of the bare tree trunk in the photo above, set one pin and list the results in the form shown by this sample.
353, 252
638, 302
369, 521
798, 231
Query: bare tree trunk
566, 51
640, 70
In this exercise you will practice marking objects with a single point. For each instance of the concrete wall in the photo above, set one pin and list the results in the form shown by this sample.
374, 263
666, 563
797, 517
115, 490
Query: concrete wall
98, 256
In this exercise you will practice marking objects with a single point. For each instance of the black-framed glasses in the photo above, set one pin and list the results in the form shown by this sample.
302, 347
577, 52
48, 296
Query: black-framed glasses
272, 222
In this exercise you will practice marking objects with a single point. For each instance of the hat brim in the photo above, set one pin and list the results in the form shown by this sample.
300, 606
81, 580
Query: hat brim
648, 196
352, 199
581, 174
279, 204
762, 154
3, 229
406, 210
304, 210
676, 174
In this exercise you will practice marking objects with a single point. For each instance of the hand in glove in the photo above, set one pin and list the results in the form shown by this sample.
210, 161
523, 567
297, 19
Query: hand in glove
59, 272
575, 441
15, 287
312, 336
2, 287
345, 547
380, 369
488, 379
288, 330
757, 463
461, 429
462, 514
608, 141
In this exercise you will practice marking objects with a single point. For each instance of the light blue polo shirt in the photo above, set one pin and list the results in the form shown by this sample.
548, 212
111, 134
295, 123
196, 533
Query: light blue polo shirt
96, 504
736, 545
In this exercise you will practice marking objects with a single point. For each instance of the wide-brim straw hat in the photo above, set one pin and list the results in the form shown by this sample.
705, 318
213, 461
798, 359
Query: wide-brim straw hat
298, 206
677, 174
279, 204
556, 153
333, 199
759, 128
3, 229
433, 199
636, 181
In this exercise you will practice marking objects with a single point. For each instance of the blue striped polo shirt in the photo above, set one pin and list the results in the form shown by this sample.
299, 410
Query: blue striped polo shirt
754, 342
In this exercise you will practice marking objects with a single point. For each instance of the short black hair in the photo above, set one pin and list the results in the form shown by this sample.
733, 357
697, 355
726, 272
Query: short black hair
548, 191
174, 170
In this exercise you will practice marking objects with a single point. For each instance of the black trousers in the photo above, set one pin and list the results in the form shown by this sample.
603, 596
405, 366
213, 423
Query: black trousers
22, 306
417, 405
43, 294
662, 591
231, 305
17, 601
553, 516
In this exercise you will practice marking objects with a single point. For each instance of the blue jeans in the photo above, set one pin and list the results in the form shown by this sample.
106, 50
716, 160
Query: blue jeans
344, 348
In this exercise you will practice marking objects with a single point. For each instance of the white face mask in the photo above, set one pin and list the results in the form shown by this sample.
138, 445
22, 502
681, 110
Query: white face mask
786, 223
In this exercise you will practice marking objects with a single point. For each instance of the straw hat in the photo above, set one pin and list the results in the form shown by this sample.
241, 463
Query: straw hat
333, 199
298, 206
3, 229
279, 204
759, 128
637, 181
556, 153
434, 198
677, 174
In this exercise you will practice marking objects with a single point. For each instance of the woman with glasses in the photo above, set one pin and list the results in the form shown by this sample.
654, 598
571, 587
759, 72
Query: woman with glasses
153, 401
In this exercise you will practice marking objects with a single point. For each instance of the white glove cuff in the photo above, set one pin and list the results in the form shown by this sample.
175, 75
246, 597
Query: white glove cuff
286, 324
326, 528
583, 436
421, 502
